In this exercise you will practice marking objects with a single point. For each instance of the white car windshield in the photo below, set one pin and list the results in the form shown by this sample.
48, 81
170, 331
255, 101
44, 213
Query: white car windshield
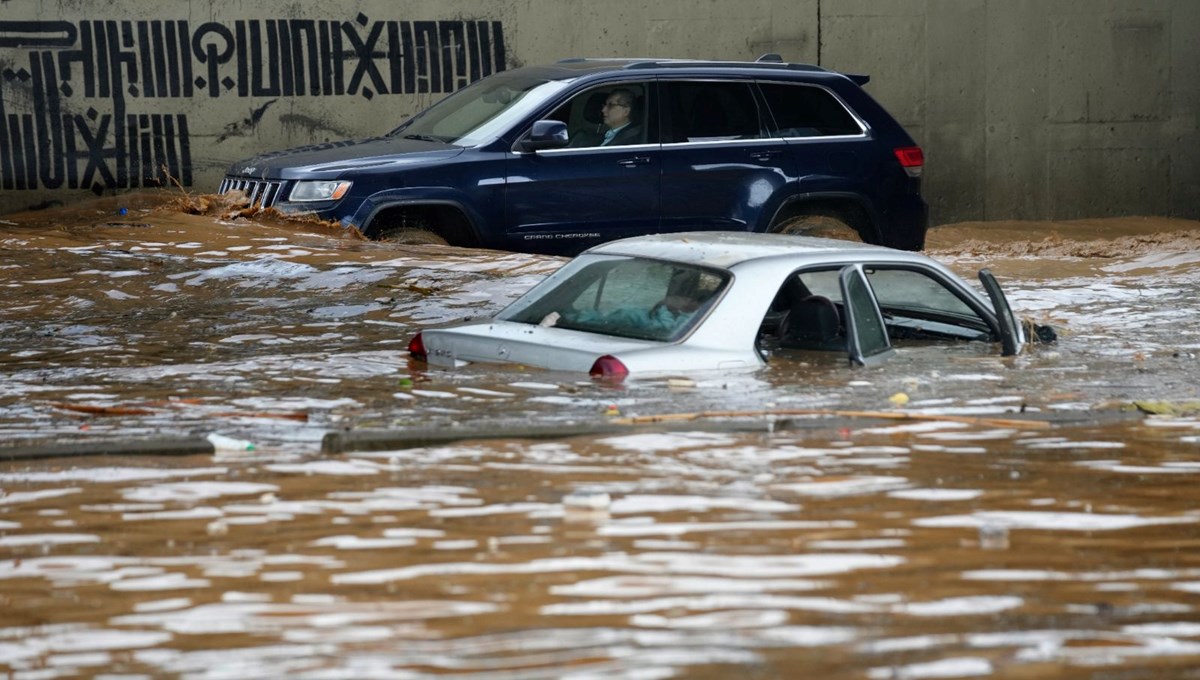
624, 297
481, 111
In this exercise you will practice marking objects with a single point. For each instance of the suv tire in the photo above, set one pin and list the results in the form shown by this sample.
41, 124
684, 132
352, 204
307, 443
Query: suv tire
825, 226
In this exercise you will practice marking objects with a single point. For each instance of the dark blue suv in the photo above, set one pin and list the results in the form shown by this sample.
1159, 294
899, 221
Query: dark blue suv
521, 160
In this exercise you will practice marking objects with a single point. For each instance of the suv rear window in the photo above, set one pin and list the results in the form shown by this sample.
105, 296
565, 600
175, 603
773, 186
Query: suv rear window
708, 111
807, 111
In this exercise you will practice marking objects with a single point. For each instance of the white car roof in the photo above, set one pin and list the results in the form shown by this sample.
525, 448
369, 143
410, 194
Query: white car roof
728, 249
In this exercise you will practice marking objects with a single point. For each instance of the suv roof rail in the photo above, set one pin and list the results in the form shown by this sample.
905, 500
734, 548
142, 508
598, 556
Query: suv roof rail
686, 63
769, 60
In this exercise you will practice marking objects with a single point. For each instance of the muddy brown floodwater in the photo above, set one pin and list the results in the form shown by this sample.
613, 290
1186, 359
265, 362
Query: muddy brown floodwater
1025, 522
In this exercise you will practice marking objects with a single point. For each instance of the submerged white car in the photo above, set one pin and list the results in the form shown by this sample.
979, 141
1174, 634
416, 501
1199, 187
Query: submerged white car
671, 304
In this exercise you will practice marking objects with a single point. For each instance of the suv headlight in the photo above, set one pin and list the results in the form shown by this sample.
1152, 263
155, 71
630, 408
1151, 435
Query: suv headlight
319, 190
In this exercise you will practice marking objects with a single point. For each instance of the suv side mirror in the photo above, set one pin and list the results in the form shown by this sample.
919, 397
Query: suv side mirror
546, 134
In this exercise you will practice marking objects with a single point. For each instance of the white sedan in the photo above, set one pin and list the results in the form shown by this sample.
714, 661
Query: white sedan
676, 303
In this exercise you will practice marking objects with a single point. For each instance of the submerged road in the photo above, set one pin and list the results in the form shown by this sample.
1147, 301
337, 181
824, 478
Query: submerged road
1027, 521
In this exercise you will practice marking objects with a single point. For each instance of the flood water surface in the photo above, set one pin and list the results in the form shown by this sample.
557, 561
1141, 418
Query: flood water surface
1025, 521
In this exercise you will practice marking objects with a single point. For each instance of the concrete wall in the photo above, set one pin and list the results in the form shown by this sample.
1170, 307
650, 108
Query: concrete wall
1027, 109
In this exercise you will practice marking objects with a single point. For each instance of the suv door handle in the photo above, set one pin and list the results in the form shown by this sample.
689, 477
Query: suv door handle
765, 155
634, 162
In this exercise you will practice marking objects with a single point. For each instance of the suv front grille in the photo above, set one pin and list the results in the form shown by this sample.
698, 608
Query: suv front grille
262, 193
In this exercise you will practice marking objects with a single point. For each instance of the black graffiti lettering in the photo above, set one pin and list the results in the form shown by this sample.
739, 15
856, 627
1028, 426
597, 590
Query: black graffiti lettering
212, 54
454, 55
401, 65
47, 113
124, 67
306, 57
429, 68
261, 60
366, 54
71, 118
96, 155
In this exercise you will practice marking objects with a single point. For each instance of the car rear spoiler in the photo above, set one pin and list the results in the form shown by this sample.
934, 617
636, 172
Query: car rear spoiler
859, 79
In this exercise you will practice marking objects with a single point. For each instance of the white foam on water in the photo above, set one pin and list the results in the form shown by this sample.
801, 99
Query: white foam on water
852, 486
162, 605
860, 544
281, 576
172, 581
187, 492
936, 494
638, 528
658, 586
1116, 466
724, 620
76, 661
910, 643
106, 475
957, 667
485, 393
18, 497
652, 563
1164, 628
827, 605
434, 394
410, 532
235, 596
25, 540
456, 544
1047, 445
931, 426
960, 606
350, 542
351, 467
262, 617
645, 503
205, 512
1047, 575
655, 443
92, 639
1049, 521
534, 386
494, 509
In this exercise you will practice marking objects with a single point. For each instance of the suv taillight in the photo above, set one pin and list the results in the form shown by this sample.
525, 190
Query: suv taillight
609, 367
416, 348
911, 158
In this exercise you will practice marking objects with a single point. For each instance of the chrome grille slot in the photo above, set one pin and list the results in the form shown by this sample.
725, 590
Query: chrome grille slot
262, 193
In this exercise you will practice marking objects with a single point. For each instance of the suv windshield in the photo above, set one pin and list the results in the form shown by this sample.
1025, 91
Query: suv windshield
481, 111
628, 298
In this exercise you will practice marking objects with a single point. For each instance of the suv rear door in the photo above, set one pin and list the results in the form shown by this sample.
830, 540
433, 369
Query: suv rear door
830, 146
721, 166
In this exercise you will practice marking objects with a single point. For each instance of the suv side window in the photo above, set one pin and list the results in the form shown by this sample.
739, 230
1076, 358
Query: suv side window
707, 111
584, 115
807, 111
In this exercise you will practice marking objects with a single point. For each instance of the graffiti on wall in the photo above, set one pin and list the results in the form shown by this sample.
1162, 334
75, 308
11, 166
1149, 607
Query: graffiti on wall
102, 104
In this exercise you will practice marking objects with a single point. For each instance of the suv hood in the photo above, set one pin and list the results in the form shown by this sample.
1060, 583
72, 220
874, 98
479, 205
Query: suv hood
328, 161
